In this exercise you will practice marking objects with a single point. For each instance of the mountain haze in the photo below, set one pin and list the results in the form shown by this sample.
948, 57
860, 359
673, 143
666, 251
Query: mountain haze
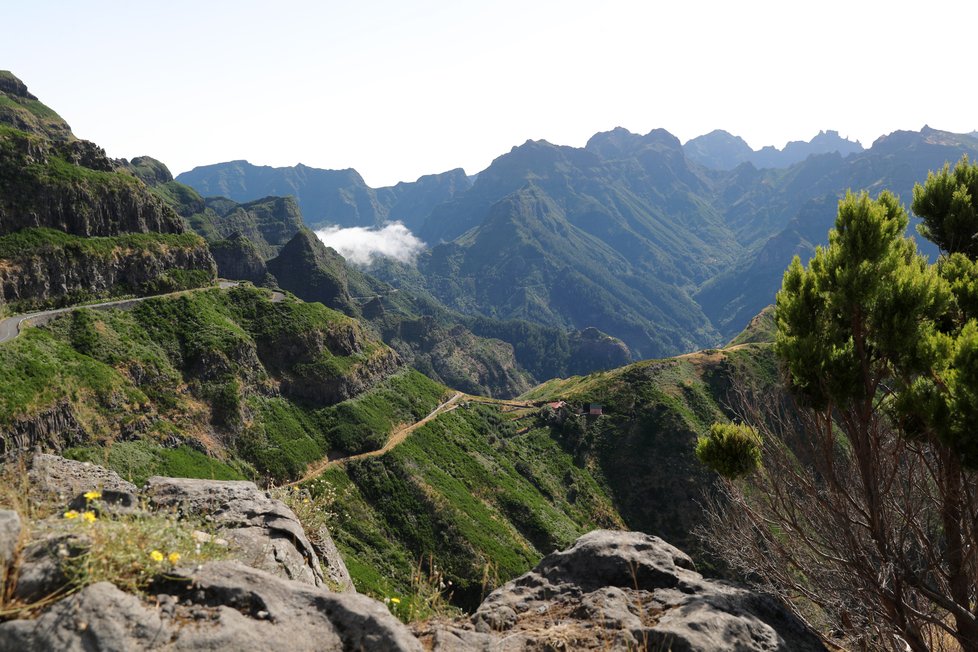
668, 247
328, 197
720, 150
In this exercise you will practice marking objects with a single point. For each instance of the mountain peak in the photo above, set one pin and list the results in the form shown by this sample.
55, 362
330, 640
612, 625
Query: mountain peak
720, 150
23, 111
12, 85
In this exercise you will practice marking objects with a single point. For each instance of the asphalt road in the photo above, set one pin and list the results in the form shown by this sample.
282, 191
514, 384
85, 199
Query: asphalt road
11, 326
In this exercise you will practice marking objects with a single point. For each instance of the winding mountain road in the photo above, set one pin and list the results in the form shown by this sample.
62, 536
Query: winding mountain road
11, 327
398, 435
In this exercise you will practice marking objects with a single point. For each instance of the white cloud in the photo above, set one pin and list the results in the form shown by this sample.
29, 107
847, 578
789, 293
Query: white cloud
360, 245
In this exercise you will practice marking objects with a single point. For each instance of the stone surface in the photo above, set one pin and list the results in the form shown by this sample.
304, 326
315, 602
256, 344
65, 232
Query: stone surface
223, 606
67, 479
334, 568
623, 590
10, 528
264, 532
40, 573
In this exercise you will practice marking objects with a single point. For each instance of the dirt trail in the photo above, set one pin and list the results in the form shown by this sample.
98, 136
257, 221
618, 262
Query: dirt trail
397, 437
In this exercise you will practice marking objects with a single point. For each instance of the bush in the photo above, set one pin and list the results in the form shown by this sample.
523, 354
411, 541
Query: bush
732, 450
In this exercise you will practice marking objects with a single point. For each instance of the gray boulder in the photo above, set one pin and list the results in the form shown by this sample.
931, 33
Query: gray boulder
10, 528
264, 532
221, 606
40, 573
624, 590
67, 480
337, 575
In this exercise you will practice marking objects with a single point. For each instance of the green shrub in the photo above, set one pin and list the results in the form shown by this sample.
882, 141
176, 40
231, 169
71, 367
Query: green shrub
732, 450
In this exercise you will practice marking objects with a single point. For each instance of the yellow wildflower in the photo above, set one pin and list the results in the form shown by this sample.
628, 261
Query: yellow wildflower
89, 516
396, 600
71, 514
93, 495
174, 557
156, 556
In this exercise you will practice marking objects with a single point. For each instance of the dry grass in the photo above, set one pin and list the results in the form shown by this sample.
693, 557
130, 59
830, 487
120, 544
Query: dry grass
93, 545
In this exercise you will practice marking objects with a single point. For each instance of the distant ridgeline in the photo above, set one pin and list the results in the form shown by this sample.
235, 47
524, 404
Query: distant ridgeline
72, 228
667, 247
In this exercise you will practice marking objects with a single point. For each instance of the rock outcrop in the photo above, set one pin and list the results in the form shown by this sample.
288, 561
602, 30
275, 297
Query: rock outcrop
609, 590
54, 272
624, 590
238, 258
262, 529
221, 606
24, 112
314, 272
68, 187
73, 226
51, 429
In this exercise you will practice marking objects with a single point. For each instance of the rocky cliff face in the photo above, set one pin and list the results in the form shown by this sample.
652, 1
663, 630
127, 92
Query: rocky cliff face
311, 270
69, 187
238, 258
21, 110
56, 274
69, 221
288, 354
52, 429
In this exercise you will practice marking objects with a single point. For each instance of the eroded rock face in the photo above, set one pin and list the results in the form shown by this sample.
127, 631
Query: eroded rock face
221, 606
10, 528
261, 529
624, 590
66, 479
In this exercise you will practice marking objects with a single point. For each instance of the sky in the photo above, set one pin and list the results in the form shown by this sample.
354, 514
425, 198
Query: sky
401, 88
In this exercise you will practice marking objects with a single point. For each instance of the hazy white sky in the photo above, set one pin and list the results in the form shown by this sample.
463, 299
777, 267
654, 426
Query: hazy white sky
401, 88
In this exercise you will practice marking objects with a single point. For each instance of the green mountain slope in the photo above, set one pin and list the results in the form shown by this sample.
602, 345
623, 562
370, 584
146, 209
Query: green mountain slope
265, 386
71, 227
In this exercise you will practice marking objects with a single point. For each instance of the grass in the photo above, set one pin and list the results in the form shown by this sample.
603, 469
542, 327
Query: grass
207, 366
137, 461
129, 551
463, 492
37, 370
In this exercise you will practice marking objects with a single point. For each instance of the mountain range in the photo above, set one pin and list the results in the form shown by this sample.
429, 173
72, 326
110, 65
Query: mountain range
668, 247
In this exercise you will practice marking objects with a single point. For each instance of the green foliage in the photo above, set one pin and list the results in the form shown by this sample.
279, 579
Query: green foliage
37, 371
363, 423
462, 492
203, 364
45, 242
866, 307
130, 551
732, 450
948, 204
137, 461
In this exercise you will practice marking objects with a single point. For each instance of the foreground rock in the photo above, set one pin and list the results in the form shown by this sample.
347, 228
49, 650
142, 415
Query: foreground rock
222, 606
623, 590
262, 531
610, 590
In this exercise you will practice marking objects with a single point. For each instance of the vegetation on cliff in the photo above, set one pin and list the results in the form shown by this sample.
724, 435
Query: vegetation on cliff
265, 386
72, 228
863, 502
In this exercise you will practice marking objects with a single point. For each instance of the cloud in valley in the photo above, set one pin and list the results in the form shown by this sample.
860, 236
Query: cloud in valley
361, 245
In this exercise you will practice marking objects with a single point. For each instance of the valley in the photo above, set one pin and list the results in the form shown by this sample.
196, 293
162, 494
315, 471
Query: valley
446, 431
